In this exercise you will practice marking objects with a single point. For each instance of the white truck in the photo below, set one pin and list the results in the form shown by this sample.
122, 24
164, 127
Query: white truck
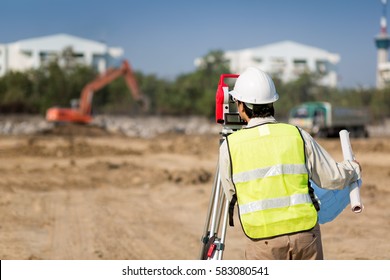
321, 119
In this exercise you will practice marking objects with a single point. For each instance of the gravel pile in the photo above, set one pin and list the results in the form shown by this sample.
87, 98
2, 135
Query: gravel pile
146, 127
23, 125
152, 126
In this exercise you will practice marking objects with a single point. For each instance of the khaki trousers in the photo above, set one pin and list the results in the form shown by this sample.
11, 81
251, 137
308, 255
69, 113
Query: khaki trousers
305, 245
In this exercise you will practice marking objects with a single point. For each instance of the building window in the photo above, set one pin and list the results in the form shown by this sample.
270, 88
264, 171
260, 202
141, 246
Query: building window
79, 58
385, 74
27, 53
47, 57
258, 60
300, 66
278, 65
321, 67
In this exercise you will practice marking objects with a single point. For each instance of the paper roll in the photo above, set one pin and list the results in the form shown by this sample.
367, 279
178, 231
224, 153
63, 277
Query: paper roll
354, 194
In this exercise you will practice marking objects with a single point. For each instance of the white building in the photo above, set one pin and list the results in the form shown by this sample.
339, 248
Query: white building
287, 60
382, 42
32, 53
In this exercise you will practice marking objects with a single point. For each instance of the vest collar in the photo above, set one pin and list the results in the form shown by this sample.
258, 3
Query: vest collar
259, 121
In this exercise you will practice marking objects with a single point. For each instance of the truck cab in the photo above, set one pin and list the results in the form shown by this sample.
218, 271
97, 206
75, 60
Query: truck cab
324, 120
311, 116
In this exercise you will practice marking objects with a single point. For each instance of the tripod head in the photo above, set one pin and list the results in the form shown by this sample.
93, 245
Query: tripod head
226, 112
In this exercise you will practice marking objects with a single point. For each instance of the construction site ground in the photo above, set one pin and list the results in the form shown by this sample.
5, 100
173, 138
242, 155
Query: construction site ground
80, 192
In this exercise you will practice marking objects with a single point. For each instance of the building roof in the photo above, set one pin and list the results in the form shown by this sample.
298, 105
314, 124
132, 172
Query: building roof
57, 42
292, 49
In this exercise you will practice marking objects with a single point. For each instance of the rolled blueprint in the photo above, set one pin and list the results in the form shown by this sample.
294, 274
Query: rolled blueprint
354, 193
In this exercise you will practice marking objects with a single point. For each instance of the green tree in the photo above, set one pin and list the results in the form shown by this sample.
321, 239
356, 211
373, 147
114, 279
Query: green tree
380, 105
59, 81
158, 92
15, 88
195, 92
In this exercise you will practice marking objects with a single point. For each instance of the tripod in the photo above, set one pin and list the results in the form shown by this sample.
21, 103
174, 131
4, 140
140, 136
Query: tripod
214, 234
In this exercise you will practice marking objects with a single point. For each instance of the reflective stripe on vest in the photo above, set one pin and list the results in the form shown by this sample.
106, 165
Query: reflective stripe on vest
269, 171
271, 180
275, 203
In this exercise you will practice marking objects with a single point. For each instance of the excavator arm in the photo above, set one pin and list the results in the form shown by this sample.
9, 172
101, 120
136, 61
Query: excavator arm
112, 74
83, 113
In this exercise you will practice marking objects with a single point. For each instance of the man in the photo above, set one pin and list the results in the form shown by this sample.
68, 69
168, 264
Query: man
267, 166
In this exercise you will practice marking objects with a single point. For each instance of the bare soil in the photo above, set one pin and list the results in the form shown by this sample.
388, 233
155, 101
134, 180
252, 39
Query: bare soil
83, 193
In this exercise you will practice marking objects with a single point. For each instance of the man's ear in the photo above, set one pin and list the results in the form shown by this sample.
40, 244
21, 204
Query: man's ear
240, 107
241, 111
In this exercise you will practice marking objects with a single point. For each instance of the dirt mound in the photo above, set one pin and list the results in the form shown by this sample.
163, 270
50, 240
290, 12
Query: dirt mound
70, 129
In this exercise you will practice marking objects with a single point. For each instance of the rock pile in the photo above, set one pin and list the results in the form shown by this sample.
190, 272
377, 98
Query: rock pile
145, 127
23, 125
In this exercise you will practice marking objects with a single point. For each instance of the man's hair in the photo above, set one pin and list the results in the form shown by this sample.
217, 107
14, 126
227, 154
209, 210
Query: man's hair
260, 110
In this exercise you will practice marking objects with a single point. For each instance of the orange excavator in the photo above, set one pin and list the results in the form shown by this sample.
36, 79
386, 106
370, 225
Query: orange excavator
82, 113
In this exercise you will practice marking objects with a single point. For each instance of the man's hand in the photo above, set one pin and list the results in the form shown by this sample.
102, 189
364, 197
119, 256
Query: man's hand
360, 167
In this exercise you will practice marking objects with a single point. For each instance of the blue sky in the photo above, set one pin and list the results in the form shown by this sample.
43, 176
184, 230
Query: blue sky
164, 37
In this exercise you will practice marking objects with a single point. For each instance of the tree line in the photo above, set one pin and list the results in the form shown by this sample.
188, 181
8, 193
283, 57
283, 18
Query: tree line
56, 84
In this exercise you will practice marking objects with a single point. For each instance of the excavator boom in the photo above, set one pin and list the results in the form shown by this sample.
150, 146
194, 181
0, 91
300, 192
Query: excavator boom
82, 114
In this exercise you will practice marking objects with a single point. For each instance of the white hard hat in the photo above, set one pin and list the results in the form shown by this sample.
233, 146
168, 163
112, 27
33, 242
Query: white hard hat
255, 87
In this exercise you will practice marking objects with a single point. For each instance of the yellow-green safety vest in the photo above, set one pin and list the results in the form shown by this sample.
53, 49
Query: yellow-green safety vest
271, 180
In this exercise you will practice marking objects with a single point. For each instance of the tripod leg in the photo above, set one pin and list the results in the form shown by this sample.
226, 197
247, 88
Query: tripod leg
216, 245
213, 248
223, 231
216, 209
206, 230
221, 201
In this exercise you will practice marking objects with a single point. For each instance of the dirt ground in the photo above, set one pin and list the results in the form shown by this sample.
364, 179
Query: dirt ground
87, 194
